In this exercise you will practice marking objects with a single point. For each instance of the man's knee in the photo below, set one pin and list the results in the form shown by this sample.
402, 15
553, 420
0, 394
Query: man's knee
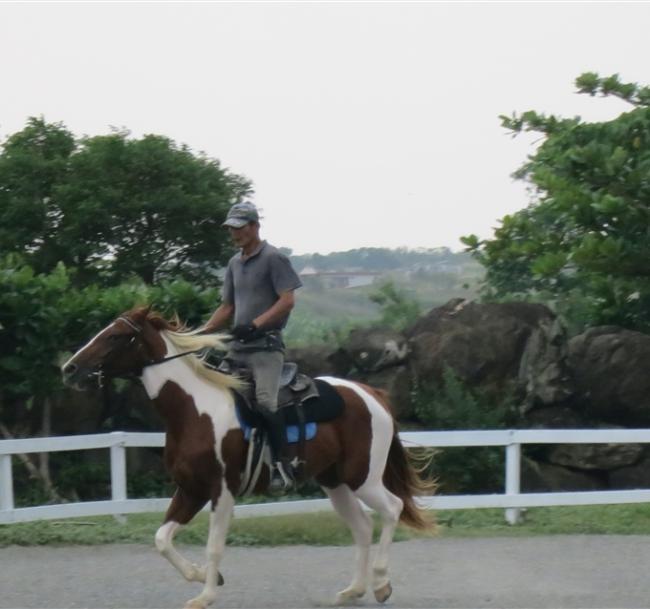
266, 399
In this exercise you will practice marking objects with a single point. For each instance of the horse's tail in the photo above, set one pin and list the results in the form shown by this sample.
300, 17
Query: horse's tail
402, 478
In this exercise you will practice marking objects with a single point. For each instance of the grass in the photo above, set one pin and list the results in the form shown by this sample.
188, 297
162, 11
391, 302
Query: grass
326, 529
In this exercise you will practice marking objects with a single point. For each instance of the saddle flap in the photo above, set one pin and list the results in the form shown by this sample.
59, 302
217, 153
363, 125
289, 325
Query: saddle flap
289, 372
301, 389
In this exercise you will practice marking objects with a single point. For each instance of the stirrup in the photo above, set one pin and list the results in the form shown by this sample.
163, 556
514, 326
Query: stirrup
282, 478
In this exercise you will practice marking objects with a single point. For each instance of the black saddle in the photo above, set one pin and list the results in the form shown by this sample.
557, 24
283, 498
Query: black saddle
301, 399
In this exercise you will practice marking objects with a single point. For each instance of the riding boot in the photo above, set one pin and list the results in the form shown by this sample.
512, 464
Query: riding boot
282, 474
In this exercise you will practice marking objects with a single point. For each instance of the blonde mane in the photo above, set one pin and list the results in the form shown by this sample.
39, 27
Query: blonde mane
192, 341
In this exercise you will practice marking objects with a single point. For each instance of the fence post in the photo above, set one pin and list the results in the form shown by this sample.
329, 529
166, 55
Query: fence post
513, 478
6, 484
118, 473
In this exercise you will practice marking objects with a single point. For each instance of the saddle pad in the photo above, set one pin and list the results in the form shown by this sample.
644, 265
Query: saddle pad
327, 406
292, 430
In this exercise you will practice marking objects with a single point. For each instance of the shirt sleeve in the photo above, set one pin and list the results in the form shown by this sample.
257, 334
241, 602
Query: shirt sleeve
283, 276
227, 291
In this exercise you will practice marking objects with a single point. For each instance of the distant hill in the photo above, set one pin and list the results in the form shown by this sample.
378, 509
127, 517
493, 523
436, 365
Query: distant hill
337, 287
375, 259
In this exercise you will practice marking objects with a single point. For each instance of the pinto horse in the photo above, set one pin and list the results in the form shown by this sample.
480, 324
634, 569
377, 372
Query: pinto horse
357, 456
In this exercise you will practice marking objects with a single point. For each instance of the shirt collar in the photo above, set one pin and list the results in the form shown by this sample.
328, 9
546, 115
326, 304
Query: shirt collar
254, 253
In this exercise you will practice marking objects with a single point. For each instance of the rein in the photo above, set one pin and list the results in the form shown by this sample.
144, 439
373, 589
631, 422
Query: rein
169, 358
152, 362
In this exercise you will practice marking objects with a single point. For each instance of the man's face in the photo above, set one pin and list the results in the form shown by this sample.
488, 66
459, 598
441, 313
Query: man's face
244, 236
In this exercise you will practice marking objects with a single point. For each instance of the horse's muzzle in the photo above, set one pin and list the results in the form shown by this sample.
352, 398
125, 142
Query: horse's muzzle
76, 377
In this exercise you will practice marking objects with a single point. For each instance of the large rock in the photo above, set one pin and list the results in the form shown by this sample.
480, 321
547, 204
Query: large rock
496, 346
555, 417
397, 382
610, 368
635, 476
374, 349
595, 456
320, 361
537, 477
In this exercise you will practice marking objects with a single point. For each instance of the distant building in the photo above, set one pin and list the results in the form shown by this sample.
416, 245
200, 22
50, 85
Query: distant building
340, 279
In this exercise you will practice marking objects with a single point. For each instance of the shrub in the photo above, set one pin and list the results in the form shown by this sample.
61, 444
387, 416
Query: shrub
451, 405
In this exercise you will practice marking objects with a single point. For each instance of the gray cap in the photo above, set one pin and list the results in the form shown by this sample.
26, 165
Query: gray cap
241, 214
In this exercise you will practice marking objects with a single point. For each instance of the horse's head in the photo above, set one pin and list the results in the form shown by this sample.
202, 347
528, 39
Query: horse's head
122, 348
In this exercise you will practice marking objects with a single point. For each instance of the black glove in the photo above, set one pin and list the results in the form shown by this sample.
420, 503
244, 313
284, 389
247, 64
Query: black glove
245, 332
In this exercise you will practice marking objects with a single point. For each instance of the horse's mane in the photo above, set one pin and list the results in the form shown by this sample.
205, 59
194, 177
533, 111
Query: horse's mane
185, 339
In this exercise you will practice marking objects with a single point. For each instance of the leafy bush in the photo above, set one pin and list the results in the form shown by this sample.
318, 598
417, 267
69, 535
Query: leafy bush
398, 311
451, 406
43, 318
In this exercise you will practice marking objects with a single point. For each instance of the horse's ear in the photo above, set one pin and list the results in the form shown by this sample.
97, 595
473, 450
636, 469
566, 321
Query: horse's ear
142, 313
147, 311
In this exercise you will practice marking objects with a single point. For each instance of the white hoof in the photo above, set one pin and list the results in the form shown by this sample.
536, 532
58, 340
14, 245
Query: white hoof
201, 602
349, 595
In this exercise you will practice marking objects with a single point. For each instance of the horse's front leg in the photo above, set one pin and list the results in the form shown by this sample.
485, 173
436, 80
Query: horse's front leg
181, 510
220, 517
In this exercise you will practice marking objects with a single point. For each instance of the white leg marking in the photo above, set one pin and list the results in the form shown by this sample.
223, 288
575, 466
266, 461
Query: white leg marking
219, 522
349, 509
164, 544
389, 507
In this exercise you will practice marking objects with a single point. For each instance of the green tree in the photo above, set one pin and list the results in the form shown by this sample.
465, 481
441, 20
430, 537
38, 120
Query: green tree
112, 206
584, 240
43, 318
33, 162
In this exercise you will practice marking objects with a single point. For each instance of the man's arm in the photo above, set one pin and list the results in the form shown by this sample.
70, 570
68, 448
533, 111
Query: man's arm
220, 318
278, 311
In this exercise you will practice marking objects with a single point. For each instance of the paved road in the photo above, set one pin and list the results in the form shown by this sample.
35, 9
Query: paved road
560, 572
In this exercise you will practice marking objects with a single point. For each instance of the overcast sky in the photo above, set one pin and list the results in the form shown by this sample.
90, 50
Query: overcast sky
360, 124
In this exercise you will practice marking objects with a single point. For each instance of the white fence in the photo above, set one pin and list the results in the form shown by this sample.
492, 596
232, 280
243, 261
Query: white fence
511, 500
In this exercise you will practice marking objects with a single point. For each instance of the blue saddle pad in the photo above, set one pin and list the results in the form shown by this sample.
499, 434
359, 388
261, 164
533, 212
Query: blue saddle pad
292, 430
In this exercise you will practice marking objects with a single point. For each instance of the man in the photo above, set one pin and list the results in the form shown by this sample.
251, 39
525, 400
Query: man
258, 291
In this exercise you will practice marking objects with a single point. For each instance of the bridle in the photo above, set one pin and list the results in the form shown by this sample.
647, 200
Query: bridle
101, 373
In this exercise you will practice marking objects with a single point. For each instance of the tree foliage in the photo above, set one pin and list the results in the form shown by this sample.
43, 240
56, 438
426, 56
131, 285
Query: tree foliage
584, 240
43, 318
113, 207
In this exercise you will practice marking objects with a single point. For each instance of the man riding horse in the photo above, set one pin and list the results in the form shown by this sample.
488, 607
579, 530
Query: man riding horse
258, 292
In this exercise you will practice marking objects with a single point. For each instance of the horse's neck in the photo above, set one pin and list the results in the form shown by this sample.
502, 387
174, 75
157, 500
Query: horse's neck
190, 388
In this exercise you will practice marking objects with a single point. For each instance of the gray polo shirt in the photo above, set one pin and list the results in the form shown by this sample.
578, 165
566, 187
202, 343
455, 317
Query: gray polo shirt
254, 285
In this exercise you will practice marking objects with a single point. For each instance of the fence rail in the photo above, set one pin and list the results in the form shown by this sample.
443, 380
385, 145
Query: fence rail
511, 500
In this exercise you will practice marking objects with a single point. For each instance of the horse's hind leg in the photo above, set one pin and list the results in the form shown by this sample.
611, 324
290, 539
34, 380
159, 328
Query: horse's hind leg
349, 509
181, 510
375, 495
